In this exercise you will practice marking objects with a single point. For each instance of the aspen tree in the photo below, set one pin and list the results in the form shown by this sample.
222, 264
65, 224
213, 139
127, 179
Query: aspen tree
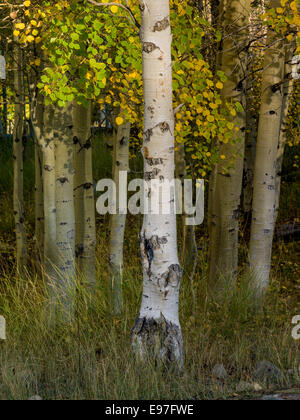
65, 212
18, 134
118, 221
48, 175
264, 193
227, 182
157, 330
84, 194
38, 123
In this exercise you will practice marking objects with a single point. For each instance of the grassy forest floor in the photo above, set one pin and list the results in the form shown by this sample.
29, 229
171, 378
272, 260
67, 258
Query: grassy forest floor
92, 359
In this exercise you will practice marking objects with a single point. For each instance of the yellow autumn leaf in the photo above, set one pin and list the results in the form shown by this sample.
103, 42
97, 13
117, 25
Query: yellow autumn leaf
293, 6
20, 26
27, 3
119, 120
114, 9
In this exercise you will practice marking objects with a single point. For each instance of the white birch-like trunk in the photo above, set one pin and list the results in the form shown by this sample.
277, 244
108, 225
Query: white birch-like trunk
65, 288
38, 124
50, 251
118, 221
264, 193
157, 331
228, 176
84, 195
18, 197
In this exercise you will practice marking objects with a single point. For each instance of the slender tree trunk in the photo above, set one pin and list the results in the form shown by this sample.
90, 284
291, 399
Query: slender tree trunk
189, 247
250, 150
118, 221
84, 195
18, 163
50, 251
65, 212
225, 206
38, 124
157, 330
264, 193
287, 93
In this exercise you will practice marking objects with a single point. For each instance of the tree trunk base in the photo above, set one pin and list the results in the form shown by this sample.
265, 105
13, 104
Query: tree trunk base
158, 339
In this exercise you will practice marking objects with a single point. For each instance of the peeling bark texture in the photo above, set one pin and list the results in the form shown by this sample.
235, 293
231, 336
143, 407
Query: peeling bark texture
18, 198
162, 272
64, 289
227, 179
264, 193
287, 93
118, 221
160, 337
189, 246
84, 195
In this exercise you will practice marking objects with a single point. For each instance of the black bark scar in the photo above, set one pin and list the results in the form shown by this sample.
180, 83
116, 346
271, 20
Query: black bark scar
161, 25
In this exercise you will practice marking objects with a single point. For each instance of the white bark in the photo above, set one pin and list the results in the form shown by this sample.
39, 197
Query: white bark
84, 195
157, 331
118, 221
65, 212
264, 193
38, 124
50, 251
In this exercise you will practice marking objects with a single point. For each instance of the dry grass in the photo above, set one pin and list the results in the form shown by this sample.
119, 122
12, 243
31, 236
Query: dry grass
92, 359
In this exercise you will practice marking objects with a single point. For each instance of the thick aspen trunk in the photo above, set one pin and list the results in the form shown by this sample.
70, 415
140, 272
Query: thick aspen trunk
225, 201
84, 195
118, 221
65, 287
157, 331
264, 193
189, 245
287, 93
18, 133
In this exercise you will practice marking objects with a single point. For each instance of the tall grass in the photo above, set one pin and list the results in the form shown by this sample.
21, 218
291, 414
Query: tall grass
92, 357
